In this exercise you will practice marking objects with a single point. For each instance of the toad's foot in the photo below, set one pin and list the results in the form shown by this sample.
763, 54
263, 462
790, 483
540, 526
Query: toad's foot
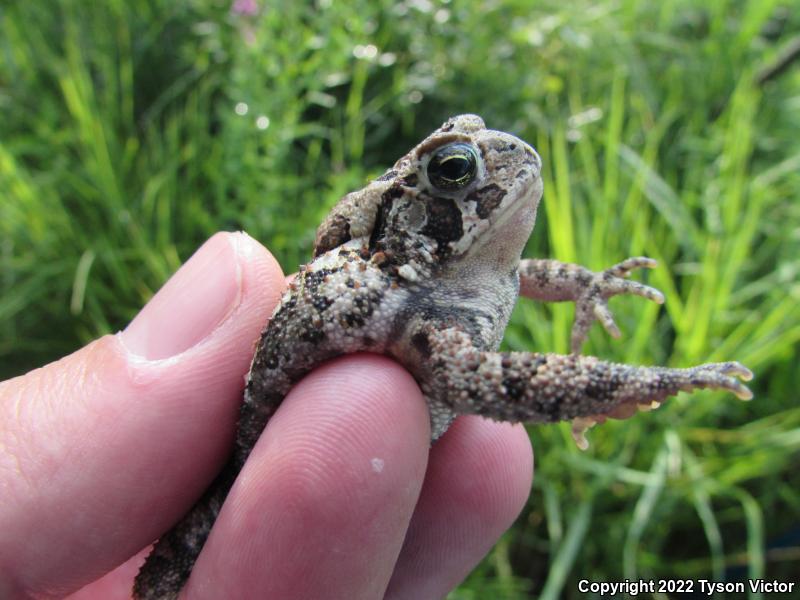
715, 376
551, 280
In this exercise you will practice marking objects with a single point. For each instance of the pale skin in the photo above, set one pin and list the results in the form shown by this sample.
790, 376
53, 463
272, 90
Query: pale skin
95, 463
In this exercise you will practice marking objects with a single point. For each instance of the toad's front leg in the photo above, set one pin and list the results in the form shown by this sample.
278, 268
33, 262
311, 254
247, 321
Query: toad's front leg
544, 388
555, 281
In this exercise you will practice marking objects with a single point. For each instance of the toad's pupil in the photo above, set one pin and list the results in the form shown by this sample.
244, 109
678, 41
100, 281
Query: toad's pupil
453, 166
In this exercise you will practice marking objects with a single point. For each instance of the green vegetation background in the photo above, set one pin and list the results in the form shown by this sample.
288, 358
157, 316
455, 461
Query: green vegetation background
132, 130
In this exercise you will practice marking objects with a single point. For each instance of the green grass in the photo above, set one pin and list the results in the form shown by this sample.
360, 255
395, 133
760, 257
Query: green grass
121, 150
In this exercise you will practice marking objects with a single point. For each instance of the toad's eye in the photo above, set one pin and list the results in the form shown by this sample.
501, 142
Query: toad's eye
453, 166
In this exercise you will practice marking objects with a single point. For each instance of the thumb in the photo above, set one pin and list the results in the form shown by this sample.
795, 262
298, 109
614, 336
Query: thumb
102, 450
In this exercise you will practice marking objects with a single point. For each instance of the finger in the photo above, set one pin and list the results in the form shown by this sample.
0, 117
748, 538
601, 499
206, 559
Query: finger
603, 314
624, 268
478, 479
104, 449
734, 368
718, 376
583, 321
321, 508
625, 286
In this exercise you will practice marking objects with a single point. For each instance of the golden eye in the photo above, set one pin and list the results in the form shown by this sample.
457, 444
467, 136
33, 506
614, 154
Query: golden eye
453, 166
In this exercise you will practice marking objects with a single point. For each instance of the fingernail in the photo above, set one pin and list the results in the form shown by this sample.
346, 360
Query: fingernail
191, 305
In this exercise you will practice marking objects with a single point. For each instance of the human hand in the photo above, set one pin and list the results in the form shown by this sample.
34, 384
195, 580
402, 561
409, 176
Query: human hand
102, 451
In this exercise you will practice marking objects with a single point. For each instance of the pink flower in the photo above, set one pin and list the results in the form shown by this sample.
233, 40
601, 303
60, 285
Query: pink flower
245, 7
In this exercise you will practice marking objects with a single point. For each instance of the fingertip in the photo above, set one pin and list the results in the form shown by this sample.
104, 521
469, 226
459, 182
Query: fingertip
478, 481
261, 272
489, 465
198, 299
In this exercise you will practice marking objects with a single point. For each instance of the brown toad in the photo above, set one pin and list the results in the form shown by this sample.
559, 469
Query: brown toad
424, 265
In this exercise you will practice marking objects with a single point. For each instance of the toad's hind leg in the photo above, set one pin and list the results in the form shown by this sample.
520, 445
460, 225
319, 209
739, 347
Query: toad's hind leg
170, 563
537, 388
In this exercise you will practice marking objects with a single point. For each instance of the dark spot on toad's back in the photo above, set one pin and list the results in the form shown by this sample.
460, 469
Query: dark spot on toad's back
388, 176
313, 279
311, 334
515, 387
501, 146
354, 319
422, 344
321, 303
